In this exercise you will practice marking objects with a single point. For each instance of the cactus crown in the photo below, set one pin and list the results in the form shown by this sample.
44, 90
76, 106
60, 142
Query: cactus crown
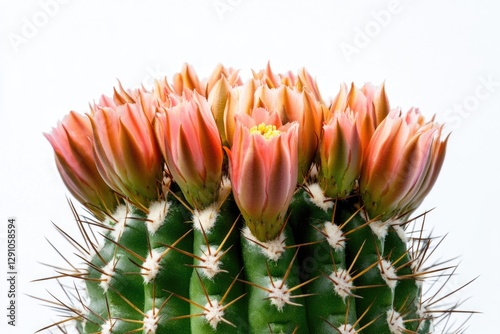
305, 225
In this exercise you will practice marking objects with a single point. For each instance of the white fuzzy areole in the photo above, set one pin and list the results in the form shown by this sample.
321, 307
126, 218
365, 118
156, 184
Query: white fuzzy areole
346, 329
419, 278
421, 309
107, 326
151, 321
278, 294
214, 313
395, 322
108, 272
225, 188
94, 250
342, 283
400, 231
166, 180
334, 236
380, 228
120, 220
205, 218
151, 266
85, 315
271, 249
156, 216
388, 273
318, 197
210, 262
313, 172
422, 312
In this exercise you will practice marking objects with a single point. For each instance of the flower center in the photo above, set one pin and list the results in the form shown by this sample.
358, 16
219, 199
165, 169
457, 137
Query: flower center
268, 131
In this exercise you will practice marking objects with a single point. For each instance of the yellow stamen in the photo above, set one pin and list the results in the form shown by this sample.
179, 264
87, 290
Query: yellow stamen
268, 131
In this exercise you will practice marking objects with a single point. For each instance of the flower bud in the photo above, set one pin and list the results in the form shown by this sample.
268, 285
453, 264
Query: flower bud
190, 143
127, 155
71, 141
401, 164
263, 167
340, 155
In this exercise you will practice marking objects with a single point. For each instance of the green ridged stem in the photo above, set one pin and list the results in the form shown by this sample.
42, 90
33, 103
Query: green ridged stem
425, 326
174, 272
378, 299
263, 316
224, 230
407, 291
126, 282
179, 290
96, 294
319, 260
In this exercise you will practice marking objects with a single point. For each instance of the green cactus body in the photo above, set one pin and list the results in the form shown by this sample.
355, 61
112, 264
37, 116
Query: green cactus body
273, 282
120, 288
217, 265
171, 270
407, 291
357, 284
328, 270
131, 286
323, 262
375, 287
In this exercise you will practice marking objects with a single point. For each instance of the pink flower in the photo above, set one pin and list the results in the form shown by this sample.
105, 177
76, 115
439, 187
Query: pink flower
231, 75
263, 167
239, 100
127, 155
71, 141
301, 107
188, 81
222, 99
402, 162
303, 81
192, 148
369, 104
340, 155
294, 97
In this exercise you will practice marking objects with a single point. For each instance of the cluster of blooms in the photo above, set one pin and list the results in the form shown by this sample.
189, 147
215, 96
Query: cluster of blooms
276, 131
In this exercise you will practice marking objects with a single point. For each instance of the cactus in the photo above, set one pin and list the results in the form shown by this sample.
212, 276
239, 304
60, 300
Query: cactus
223, 206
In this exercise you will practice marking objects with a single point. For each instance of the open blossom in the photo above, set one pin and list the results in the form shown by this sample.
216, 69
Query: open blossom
340, 155
300, 107
192, 148
401, 165
127, 155
263, 167
294, 98
76, 165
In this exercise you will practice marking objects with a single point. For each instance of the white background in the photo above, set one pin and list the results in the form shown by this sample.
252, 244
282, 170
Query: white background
442, 56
